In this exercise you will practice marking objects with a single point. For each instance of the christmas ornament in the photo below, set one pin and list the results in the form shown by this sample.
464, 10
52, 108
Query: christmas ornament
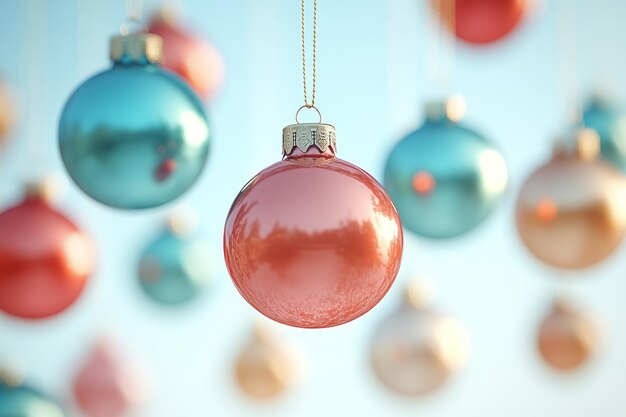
312, 241
19, 400
610, 123
134, 136
444, 178
567, 337
45, 259
7, 111
175, 267
481, 21
266, 368
416, 350
571, 212
196, 60
106, 386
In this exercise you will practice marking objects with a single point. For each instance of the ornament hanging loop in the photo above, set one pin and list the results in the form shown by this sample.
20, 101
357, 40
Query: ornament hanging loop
134, 11
309, 106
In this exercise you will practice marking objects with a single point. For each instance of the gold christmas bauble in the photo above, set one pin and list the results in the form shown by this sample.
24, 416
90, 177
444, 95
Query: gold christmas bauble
567, 338
571, 212
266, 368
416, 350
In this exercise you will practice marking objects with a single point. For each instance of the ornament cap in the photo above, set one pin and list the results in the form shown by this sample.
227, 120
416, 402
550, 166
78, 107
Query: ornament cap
137, 48
305, 136
11, 377
183, 221
587, 144
418, 294
452, 109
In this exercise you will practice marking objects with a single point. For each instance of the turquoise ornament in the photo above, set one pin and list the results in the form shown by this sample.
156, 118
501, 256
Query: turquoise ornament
22, 401
610, 123
134, 136
444, 178
177, 266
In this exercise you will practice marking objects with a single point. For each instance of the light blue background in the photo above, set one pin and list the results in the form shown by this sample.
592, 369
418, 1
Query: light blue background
373, 78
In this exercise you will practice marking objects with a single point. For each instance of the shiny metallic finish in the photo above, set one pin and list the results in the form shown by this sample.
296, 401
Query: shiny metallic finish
415, 350
567, 338
134, 136
175, 269
443, 178
610, 123
303, 136
24, 401
571, 212
313, 241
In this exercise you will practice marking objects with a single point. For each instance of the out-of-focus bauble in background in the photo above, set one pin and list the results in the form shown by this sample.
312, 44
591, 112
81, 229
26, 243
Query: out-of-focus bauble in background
571, 212
134, 136
266, 367
177, 266
312, 241
609, 121
7, 110
19, 400
567, 338
45, 260
107, 385
481, 22
195, 59
444, 178
415, 350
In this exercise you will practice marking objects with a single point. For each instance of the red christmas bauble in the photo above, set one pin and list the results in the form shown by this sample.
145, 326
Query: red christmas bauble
313, 241
45, 260
481, 21
195, 59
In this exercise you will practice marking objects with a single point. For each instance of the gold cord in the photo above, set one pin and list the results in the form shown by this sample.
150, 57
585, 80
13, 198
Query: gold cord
306, 101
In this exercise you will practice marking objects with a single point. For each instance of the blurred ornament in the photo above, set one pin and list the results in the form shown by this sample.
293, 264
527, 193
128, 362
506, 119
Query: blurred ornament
266, 368
571, 212
481, 21
415, 350
444, 179
45, 259
107, 386
567, 338
610, 123
19, 400
134, 136
176, 266
7, 110
196, 60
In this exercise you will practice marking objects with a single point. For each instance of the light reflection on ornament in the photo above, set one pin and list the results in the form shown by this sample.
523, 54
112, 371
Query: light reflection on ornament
423, 182
416, 350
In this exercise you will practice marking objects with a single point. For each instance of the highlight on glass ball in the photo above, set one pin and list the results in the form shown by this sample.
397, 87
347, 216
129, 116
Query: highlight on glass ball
196, 60
45, 260
416, 350
312, 241
567, 337
609, 121
107, 385
444, 178
266, 367
134, 136
571, 211
21, 400
482, 22
177, 266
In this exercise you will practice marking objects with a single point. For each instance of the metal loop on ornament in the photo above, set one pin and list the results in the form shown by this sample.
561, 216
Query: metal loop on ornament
309, 106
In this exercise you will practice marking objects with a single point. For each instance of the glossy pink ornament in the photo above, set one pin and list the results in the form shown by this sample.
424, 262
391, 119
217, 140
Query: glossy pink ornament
312, 241
107, 386
196, 60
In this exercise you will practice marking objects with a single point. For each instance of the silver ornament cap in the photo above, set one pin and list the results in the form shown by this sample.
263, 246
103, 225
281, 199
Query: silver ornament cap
303, 136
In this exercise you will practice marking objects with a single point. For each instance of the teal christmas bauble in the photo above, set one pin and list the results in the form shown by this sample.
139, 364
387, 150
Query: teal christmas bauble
444, 178
134, 136
23, 401
177, 266
610, 123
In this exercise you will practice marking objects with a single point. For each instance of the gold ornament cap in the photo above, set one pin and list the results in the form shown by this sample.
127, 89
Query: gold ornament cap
453, 109
582, 143
137, 48
303, 136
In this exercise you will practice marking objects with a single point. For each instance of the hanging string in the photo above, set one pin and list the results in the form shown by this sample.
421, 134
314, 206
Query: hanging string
568, 60
306, 100
134, 12
441, 44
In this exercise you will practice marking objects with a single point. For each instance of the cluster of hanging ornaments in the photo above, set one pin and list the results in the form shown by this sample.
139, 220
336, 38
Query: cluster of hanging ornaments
134, 136
444, 178
312, 241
